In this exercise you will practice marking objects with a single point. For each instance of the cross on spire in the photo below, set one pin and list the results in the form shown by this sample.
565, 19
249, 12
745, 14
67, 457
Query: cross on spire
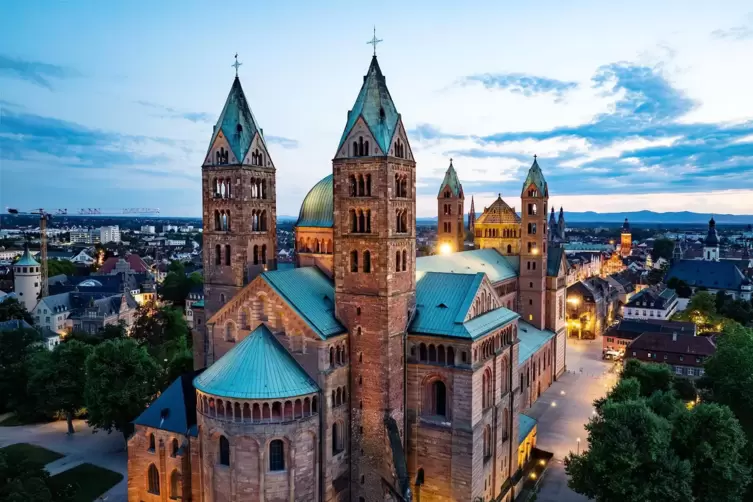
374, 41
236, 64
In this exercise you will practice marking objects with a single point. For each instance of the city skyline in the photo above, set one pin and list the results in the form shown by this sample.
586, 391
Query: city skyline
122, 113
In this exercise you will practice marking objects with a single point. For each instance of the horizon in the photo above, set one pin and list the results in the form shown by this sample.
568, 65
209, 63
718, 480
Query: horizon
116, 117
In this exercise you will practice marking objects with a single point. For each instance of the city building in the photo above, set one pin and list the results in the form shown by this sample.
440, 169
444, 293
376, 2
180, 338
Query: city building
27, 279
619, 336
88, 312
582, 265
591, 307
85, 235
148, 229
710, 273
612, 265
109, 233
685, 353
651, 303
626, 239
498, 227
194, 296
450, 212
10, 254
370, 376
131, 263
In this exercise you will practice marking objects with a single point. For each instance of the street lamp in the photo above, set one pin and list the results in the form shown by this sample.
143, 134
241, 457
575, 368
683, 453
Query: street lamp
445, 248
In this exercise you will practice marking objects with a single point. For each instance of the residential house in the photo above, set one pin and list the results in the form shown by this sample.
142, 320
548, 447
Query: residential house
619, 336
685, 353
651, 303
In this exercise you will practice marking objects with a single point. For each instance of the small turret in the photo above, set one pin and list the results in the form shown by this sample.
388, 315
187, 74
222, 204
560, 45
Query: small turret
711, 244
561, 225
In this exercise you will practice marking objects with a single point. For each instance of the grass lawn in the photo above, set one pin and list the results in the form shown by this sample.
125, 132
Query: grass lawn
88, 481
34, 453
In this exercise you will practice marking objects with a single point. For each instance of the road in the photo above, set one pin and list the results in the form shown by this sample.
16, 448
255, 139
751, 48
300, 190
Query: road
102, 449
564, 409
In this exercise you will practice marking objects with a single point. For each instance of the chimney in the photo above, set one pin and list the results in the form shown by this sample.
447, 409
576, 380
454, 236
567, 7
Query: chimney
674, 336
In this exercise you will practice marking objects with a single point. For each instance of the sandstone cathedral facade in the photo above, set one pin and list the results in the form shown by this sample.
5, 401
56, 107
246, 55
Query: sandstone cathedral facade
362, 373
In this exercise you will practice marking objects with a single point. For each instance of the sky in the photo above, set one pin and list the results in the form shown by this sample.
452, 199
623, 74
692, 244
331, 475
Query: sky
628, 105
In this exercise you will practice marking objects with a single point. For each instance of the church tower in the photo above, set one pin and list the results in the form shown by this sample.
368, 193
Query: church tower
27, 279
374, 262
626, 239
535, 198
450, 211
561, 225
472, 218
239, 204
711, 244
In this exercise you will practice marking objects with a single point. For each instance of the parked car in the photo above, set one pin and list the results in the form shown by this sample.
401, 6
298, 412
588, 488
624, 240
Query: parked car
613, 355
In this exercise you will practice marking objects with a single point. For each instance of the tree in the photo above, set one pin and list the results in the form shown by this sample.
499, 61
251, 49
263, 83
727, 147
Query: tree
710, 438
683, 290
17, 348
121, 380
57, 267
651, 377
720, 300
11, 309
58, 379
162, 330
655, 276
663, 248
629, 458
177, 285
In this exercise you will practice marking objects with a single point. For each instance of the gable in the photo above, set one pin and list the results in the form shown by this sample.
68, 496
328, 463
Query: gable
220, 145
484, 299
257, 153
359, 134
400, 138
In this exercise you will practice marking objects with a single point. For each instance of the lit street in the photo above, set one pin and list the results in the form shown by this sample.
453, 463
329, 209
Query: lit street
564, 409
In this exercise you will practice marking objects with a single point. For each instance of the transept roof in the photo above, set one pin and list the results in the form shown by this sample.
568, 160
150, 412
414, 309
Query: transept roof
499, 212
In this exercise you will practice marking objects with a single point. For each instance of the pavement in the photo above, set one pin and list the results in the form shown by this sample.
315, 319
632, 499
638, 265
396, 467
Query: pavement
564, 409
98, 448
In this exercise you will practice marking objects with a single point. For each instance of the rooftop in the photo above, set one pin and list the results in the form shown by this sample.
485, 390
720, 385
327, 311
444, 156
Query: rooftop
175, 409
489, 261
679, 344
452, 182
258, 367
317, 209
709, 274
526, 426
531, 339
236, 123
498, 213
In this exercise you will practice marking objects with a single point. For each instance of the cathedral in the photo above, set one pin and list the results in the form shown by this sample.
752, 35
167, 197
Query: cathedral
363, 373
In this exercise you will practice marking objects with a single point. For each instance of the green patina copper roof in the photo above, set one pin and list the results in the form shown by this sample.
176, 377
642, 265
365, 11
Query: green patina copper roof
443, 301
526, 426
259, 367
554, 261
198, 304
375, 105
536, 177
489, 261
531, 340
317, 209
451, 180
26, 259
311, 294
237, 123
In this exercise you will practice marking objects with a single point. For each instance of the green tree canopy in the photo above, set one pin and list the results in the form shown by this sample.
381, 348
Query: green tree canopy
57, 267
655, 276
11, 309
663, 248
651, 377
177, 285
25, 481
58, 379
17, 347
121, 380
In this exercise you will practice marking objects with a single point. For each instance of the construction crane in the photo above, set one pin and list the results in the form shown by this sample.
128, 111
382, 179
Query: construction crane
46, 215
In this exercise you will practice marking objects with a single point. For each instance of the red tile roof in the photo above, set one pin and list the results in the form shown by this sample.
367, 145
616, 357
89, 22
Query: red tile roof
135, 263
675, 346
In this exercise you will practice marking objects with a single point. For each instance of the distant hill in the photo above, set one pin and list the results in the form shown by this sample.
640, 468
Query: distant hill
683, 217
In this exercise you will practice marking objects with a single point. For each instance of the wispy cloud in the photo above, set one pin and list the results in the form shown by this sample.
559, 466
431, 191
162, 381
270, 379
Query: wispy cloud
741, 32
521, 83
286, 143
39, 73
172, 113
639, 146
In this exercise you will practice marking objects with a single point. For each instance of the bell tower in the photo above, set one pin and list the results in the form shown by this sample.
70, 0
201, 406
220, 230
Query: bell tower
533, 251
450, 207
239, 206
374, 269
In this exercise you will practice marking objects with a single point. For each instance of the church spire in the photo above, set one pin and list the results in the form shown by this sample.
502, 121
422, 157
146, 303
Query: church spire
472, 217
452, 182
536, 177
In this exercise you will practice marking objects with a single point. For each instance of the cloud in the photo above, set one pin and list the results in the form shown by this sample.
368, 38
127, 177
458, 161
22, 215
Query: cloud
640, 145
521, 83
286, 143
741, 32
25, 136
36, 72
172, 113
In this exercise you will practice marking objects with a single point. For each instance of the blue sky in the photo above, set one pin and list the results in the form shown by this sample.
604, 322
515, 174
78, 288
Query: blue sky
642, 105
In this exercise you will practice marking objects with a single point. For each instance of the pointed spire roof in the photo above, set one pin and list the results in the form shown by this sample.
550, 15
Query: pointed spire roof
712, 238
451, 180
552, 219
473, 208
375, 105
259, 367
562, 213
237, 123
626, 227
536, 177
26, 259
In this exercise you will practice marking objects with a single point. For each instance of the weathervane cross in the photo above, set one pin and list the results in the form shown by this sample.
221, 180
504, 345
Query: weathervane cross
374, 41
236, 64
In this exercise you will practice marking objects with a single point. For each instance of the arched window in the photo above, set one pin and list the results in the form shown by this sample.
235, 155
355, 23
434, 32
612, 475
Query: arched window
264, 254
398, 262
353, 186
450, 356
337, 439
218, 255
505, 424
487, 442
422, 353
277, 455
368, 184
405, 260
230, 332
175, 447
486, 389
224, 451
367, 261
354, 261
439, 398
151, 442
227, 254
509, 249
331, 357
153, 479
175, 484
432, 354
